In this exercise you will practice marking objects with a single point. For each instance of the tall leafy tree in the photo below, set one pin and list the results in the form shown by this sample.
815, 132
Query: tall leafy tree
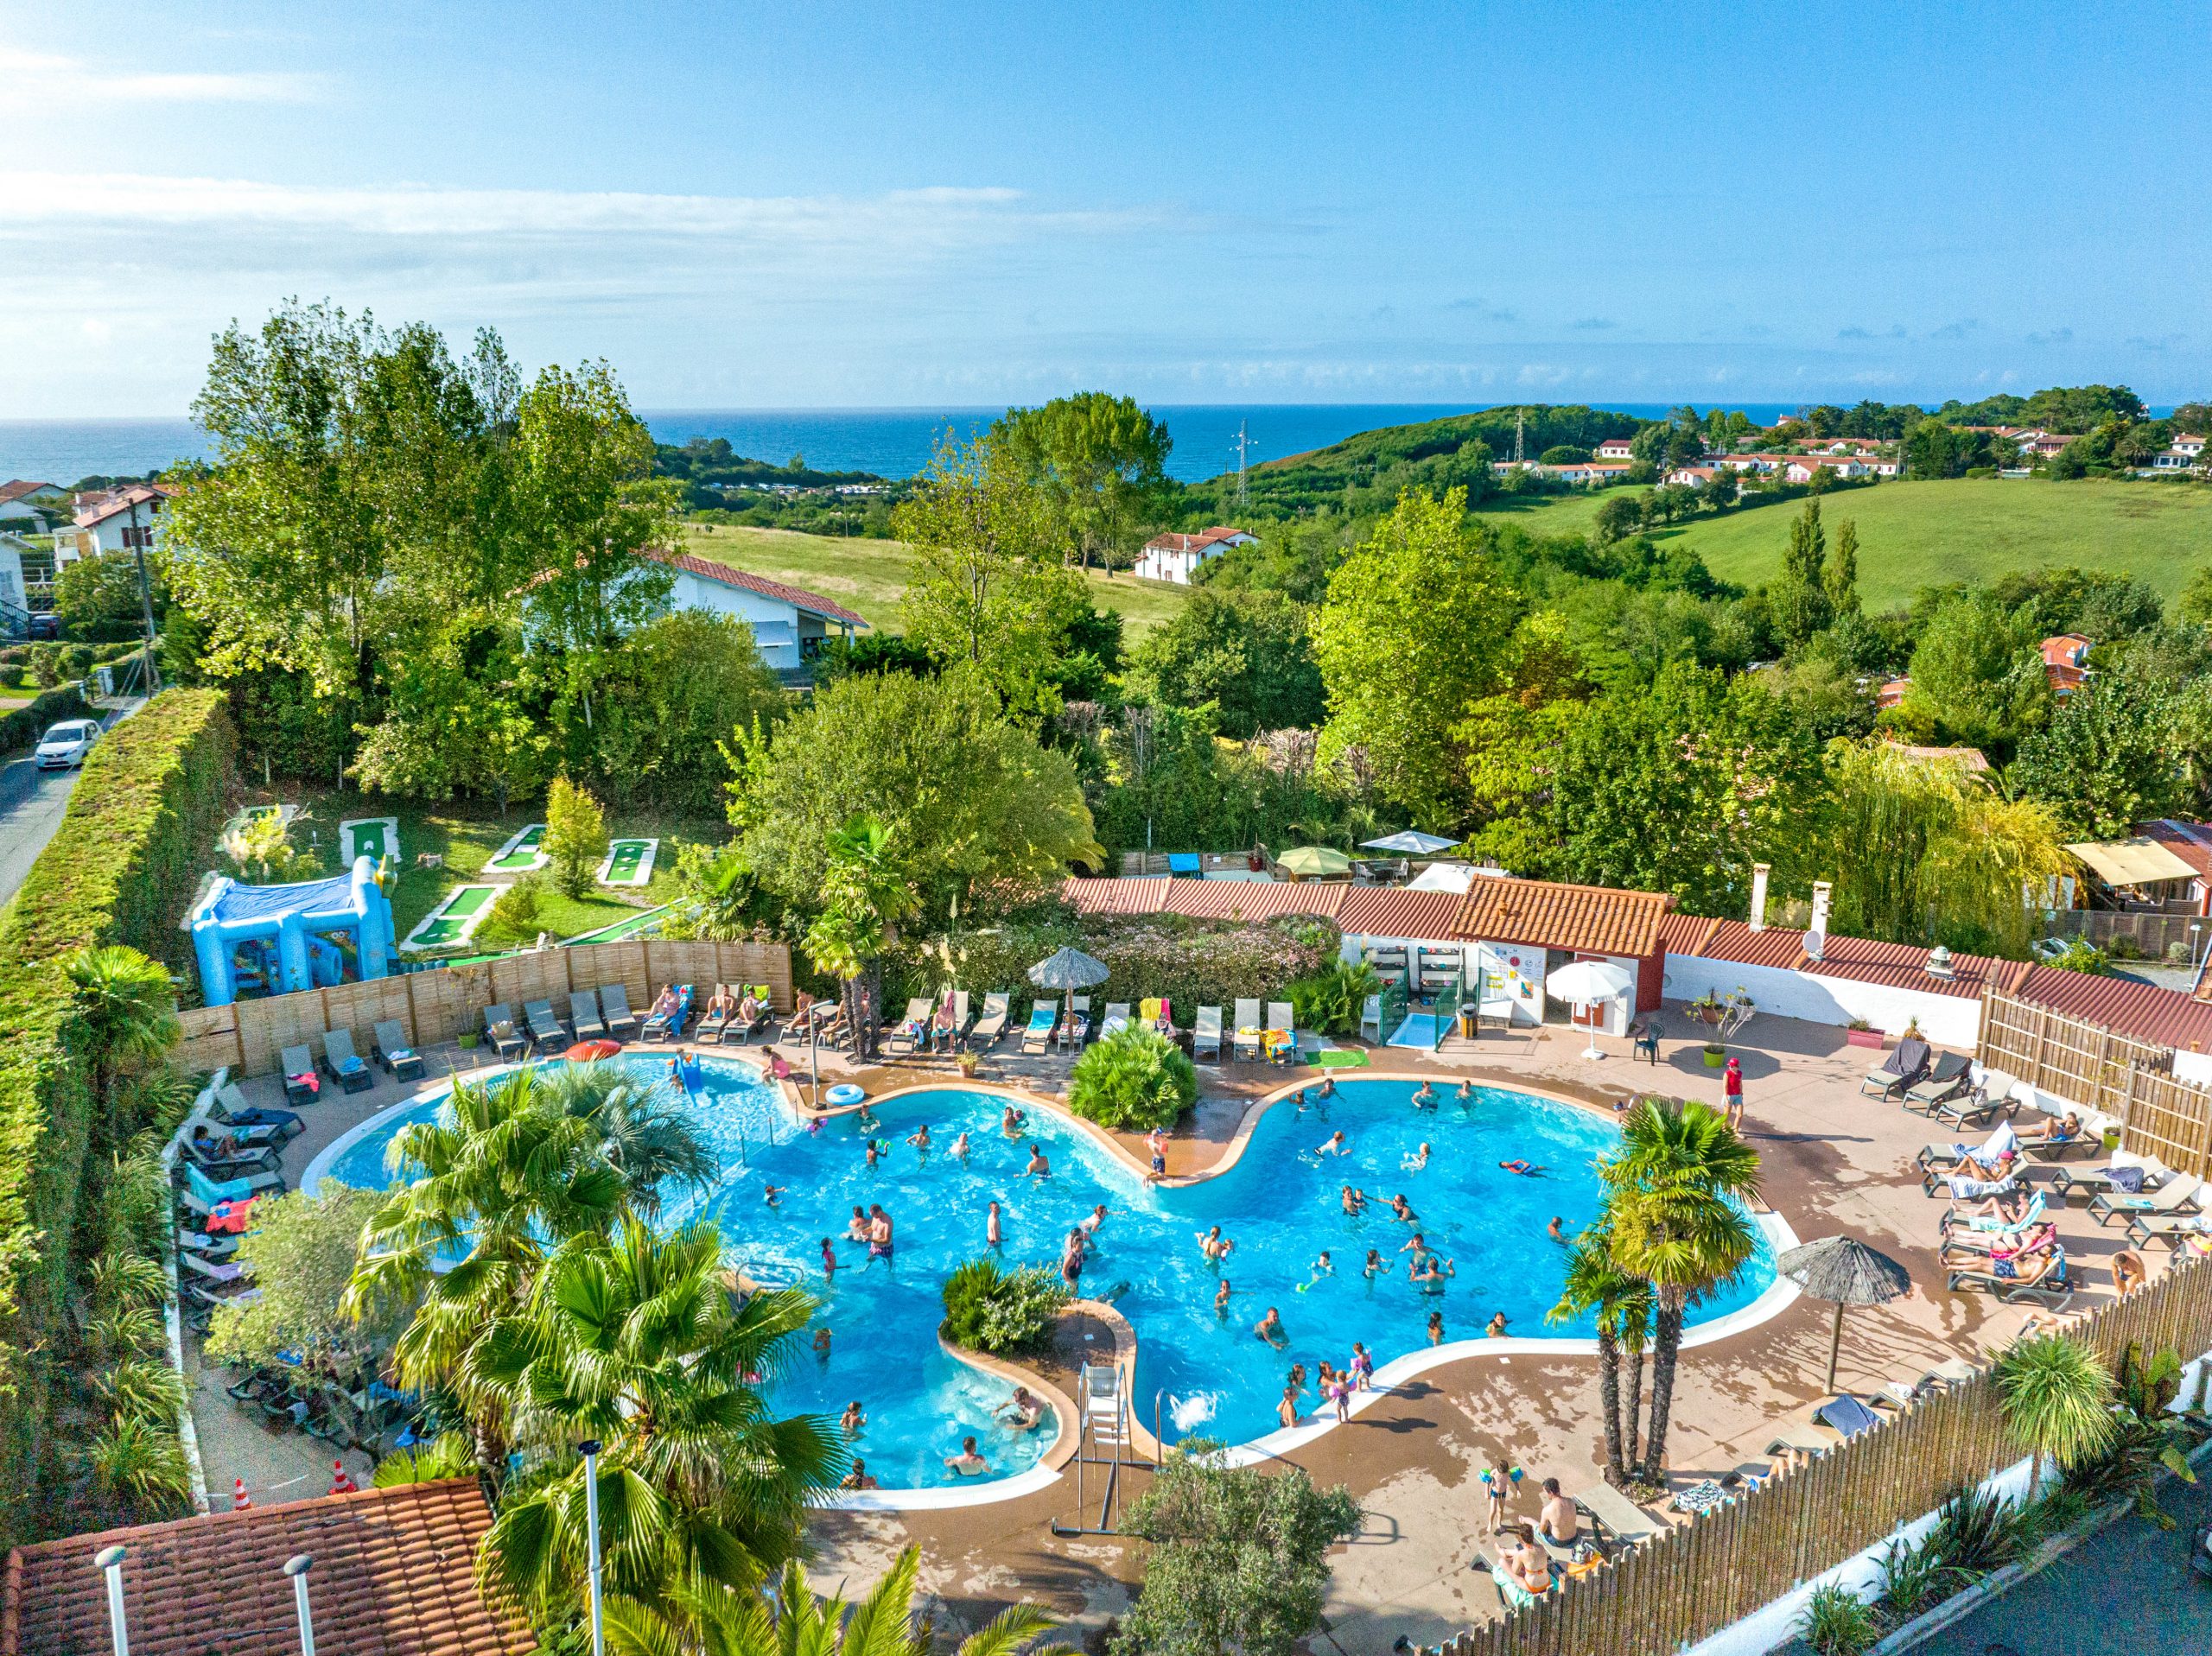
1799, 598
1841, 580
2110, 758
1101, 460
1978, 674
124, 1016
1245, 651
1409, 640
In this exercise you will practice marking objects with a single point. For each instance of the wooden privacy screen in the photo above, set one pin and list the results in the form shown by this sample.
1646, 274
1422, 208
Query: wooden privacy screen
435, 1006
1695, 1579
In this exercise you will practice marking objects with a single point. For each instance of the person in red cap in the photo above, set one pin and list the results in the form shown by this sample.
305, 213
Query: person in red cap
239, 1500
1731, 1089
342, 1481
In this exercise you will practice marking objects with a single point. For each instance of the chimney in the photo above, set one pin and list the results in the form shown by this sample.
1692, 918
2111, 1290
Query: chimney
297, 1567
1759, 872
110, 1561
1816, 940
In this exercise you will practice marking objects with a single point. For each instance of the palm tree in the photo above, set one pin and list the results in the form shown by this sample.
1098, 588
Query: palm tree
125, 1014
792, 1619
867, 892
1672, 1196
509, 1178
641, 1130
634, 1340
1622, 1304
2056, 1397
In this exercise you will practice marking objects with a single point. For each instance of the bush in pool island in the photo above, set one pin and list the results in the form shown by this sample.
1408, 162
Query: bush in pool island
1135, 1078
1006, 1313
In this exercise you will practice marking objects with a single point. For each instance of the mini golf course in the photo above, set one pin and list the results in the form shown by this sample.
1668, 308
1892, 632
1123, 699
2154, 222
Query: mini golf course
453, 920
520, 854
373, 837
629, 862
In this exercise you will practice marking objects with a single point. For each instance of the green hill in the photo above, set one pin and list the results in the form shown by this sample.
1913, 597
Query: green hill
868, 576
1913, 535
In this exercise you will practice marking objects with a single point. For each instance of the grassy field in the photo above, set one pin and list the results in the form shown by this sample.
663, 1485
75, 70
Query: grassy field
1913, 535
869, 576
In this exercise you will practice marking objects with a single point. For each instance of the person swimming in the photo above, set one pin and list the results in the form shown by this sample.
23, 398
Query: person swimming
1425, 1097
1327, 1090
1334, 1147
852, 1421
1214, 1245
1429, 1275
1351, 1202
1418, 1247
1269, 1329
771, 1192
1497, 1328
1463, 1094
1557, 1230
1013, 1121
873, 1152
1220, 1299
856, 1227
992, 1235
1436, 1328
960, 1145
1090, 1222
1298, 1099
1402, 1210
920, 1139
1376, 1265
864, 1118
829, 1259
1322, 1267
1525, 1170
1038, 1168
1417, 1161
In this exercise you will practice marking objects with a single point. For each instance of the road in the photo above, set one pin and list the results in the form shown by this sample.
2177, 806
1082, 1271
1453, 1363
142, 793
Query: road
31, 803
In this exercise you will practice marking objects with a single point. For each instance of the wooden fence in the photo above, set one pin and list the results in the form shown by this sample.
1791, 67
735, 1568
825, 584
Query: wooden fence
2071, 1057
2152, 933
2167, 1118
435, 1007
1695, 1579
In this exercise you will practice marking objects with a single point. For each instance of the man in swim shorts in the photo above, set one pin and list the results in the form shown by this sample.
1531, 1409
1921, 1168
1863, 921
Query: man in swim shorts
1038, 1168
967, 1463
1156, 1141
1269, 1328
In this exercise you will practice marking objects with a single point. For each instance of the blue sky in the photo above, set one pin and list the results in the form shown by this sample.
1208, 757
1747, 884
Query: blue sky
786, 206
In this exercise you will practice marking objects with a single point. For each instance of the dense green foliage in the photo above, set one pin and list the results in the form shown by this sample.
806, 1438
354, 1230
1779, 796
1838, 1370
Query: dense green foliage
1007, 1313
1330, 1003
21, 726
1134, 1079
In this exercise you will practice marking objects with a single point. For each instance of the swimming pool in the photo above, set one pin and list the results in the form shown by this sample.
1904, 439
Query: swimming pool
1280, 1204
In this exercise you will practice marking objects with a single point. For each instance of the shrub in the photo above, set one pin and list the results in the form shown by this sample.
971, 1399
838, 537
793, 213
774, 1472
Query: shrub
516, 913
1331, 1002
1837, 1622
575, 836
2079, 954
988, 1307
46, 665
1135, 1078
26, 725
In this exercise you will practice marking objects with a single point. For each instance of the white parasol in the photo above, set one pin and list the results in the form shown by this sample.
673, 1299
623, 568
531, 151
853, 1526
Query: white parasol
1586, 983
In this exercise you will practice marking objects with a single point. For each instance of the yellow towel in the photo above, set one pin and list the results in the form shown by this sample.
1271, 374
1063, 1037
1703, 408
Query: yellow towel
1149, 1010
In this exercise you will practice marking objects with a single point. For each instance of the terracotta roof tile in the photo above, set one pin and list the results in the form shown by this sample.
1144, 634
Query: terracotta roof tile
798, 597
1393, 911
393, 1575
2190, 841
16, 488
1592, 919
2163, 1017
1902, 965
1116, 896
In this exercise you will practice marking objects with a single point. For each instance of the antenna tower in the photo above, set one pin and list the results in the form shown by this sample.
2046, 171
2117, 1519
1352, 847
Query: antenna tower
1244, 446
1519, 417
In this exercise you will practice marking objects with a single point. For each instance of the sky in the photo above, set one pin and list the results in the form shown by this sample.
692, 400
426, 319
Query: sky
829, 206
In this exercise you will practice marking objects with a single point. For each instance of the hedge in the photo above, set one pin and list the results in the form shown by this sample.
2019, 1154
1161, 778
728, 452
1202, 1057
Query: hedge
26, 725
118, 870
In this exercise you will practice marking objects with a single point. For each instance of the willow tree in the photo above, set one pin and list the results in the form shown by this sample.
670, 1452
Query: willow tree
1925, 851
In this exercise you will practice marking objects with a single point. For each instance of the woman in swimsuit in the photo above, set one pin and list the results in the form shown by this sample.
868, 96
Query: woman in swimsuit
1402, 1210
1011, 1122
1374, 1267
856, 1228
1220, 1299
1215, 1246
1425, 1097
1286, 1409
1464, 1095
1436, 1328
829, 1259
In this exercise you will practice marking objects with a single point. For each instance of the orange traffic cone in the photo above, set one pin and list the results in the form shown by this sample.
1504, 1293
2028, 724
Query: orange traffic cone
239, 1500
342, 1481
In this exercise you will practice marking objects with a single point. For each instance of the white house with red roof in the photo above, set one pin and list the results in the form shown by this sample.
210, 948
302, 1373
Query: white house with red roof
1173, 557
1616, 449
788, 622
2066, 662
21, 500
115, 521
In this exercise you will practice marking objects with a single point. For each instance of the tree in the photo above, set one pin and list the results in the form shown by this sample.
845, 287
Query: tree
970, 796
1978, 672
677, 685
793, 1618
1596, 1286
124, 1012
1619, 518
1247, 652
1407, 640
300, 1254
1799, 598
1842, 579
1672, 1196
2056, 1395
575, 836
866, 891
1135, 1078
1238, 1558
2109, 759
634, 1339
98, 596
1101, 459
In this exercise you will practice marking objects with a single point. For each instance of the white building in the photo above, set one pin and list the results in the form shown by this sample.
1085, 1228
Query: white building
15, 605
23, 501
788, 622
1616, 449
1173, 557
115, 522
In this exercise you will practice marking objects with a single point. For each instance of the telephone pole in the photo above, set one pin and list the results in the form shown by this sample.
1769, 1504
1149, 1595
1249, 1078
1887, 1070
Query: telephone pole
139, 537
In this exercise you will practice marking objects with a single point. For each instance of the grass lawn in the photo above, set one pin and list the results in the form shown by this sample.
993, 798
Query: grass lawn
869, 577
466, 837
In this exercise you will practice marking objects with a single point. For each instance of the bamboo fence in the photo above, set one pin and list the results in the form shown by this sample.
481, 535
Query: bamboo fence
435, 1006
1693, 1580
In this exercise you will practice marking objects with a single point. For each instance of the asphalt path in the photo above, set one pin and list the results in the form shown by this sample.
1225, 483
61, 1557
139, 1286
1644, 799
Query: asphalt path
31, 803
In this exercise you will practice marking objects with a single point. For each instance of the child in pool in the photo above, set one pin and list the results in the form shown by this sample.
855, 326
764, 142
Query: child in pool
1374, 1267
920, 1139
960, 1145
1334, 1147
993, 1236
1321, 1268
1363, 1365
1436, 1328
829, 1259
856, 1227
1220, 1299
1298, 1101
1419, 1159
771, 1192
1425, 1097
1497, 1328
1013, 1121
1351, 1202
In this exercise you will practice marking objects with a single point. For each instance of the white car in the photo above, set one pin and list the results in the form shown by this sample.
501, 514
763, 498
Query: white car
67, 744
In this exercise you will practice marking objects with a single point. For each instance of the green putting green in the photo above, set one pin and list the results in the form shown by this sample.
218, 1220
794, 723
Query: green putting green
521, 853
452, 925
623, 859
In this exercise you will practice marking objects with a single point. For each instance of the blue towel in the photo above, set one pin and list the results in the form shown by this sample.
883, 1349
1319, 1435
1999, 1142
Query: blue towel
1182, 862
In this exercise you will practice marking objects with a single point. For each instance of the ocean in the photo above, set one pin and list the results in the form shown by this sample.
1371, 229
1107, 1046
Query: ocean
891, 442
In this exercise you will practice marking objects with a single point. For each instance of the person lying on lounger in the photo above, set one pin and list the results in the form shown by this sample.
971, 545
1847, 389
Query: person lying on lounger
2063, 1131
1996, 1245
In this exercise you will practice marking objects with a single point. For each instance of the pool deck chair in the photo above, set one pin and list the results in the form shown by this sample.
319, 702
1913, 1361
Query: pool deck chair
1044, 1018
346, 1065
2178, 1195
667, 1026
1117, 1017
908, 1034
614, 1007
583, 1012
1979, 1104
1945, 1081
500, 1030
2053, 1291
1206, 1035
1184, 862
1847, 1415
1245, 1037
545, 1029
209, 1192
1283, 1015
714, 1024
298, 1064
1370, 1018
1074, 1025
992, 1024
1900, 1070
230, 1108
742, 1026
1615, 1517
391, 1050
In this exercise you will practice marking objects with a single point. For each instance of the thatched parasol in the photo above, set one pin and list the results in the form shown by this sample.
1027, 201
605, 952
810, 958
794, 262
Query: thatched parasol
1845, 1272
1068, 968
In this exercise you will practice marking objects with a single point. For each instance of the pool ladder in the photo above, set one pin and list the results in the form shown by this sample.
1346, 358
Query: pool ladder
1104, 1439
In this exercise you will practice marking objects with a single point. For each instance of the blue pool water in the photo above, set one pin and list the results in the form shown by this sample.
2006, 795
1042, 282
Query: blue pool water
1280, 1205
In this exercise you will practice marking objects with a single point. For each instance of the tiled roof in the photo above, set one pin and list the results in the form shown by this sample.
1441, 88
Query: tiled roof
1393, 911
16, 488
797, 597
1901, 966
1373, 910
1735, 940
2163, 1017
1197, 543
2190, 841
393, 1575
1592, 919
97, 509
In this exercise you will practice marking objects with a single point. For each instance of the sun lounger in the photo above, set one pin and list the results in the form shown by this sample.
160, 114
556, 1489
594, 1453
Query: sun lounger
207, 1247
667, 1025
302, 1083
2177, 1194
614, 1007
1946, 1081
740, 1024
209, 1271
583, 1015
2083, 1143
714, 1023
1044, 1018
1613, 1514
947, 1036
390, 1050
1245, 1036
229, 1108
1802, 1438
1117, 1017
345, 1066
1075, 1023
1206, 1035
500, 1030
992, 1024
2172, 1228
246, 1159
1847, 1415
1899, 1071
1952, 1371
546, 1031
1981, 1103
913, 1029
1280, 1016
2052, 1289
209, 1192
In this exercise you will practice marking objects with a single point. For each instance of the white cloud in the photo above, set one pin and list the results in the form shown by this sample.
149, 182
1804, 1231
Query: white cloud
42, 81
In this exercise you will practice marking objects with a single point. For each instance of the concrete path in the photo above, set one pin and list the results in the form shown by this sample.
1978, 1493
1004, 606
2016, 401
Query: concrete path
31, 804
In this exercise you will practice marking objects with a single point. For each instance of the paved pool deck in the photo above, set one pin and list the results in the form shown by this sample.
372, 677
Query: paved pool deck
1834, 1161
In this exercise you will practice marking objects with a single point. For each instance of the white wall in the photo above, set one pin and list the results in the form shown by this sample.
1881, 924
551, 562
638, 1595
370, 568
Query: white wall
1949, 1020
775, 625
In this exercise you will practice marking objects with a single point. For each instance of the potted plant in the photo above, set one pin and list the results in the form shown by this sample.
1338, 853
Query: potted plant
1860, 1033
969, 1062
1716, 1056
468, 1039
